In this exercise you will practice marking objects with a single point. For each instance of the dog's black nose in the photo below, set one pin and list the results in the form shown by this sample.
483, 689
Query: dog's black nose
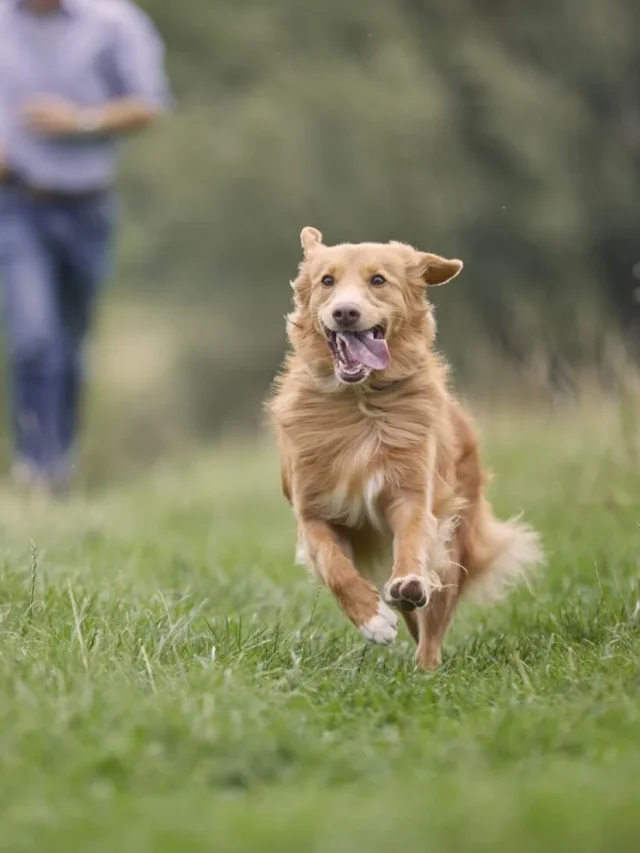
346, 315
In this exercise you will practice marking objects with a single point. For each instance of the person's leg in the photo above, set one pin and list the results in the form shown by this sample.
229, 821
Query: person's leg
86, 254
32, 330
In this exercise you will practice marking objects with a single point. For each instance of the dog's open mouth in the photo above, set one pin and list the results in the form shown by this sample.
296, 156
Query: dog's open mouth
356, 354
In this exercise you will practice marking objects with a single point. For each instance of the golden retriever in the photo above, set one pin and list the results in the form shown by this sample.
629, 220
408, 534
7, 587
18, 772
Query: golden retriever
379, 461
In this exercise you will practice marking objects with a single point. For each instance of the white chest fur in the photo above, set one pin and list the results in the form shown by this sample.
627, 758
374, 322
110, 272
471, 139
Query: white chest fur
354, 506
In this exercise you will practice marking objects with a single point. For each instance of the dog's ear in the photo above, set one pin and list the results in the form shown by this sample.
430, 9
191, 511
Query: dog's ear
310, 238
436, 270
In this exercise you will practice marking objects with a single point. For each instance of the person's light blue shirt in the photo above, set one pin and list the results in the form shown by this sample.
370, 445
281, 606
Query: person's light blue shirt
89, 52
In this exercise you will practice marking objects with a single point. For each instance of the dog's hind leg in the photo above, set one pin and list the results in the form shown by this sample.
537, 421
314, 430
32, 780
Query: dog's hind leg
433, 620
411, 618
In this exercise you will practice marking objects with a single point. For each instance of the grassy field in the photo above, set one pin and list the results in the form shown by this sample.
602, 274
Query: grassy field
170, 682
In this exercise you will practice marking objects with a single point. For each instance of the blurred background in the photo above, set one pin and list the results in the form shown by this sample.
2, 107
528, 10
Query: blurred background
504, 133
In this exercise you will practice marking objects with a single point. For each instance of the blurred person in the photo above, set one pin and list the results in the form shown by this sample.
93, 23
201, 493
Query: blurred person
75, 76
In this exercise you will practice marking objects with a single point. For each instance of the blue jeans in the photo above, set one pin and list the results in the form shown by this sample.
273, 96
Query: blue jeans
54, 255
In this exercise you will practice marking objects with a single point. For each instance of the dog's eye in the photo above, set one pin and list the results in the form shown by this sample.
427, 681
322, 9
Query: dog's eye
378, 280
328, 280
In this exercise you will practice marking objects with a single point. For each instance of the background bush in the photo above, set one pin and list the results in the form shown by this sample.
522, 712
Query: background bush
505, 133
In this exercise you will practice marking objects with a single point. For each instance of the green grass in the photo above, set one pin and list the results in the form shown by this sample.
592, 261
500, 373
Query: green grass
170, 682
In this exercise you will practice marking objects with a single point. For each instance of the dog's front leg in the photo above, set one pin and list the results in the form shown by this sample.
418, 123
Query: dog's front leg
330, 557
414, 530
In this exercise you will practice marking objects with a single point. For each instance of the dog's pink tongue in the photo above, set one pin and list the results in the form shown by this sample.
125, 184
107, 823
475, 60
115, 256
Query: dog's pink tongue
370, 351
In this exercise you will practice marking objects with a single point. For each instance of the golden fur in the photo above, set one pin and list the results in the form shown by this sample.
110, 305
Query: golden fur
384, 476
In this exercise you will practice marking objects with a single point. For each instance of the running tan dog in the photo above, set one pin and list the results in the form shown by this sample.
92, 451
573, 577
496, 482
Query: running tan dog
379, 461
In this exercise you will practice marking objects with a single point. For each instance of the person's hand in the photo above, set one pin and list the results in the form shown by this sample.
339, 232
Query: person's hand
50, 116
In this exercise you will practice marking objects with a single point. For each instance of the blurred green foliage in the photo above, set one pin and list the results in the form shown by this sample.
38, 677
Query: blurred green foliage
505, 133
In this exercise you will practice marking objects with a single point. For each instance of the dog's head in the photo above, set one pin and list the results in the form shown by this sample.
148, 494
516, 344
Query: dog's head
361, 308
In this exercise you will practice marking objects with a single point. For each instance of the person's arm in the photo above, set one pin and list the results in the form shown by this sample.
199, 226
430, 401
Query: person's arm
134, 68
4, 132
57, 117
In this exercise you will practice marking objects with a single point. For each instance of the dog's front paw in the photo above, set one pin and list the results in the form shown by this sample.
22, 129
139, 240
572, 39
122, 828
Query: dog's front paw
407, 593
381, 629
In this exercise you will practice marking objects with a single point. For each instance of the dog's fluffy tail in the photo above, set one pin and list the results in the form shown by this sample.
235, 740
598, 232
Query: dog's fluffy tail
499, 554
